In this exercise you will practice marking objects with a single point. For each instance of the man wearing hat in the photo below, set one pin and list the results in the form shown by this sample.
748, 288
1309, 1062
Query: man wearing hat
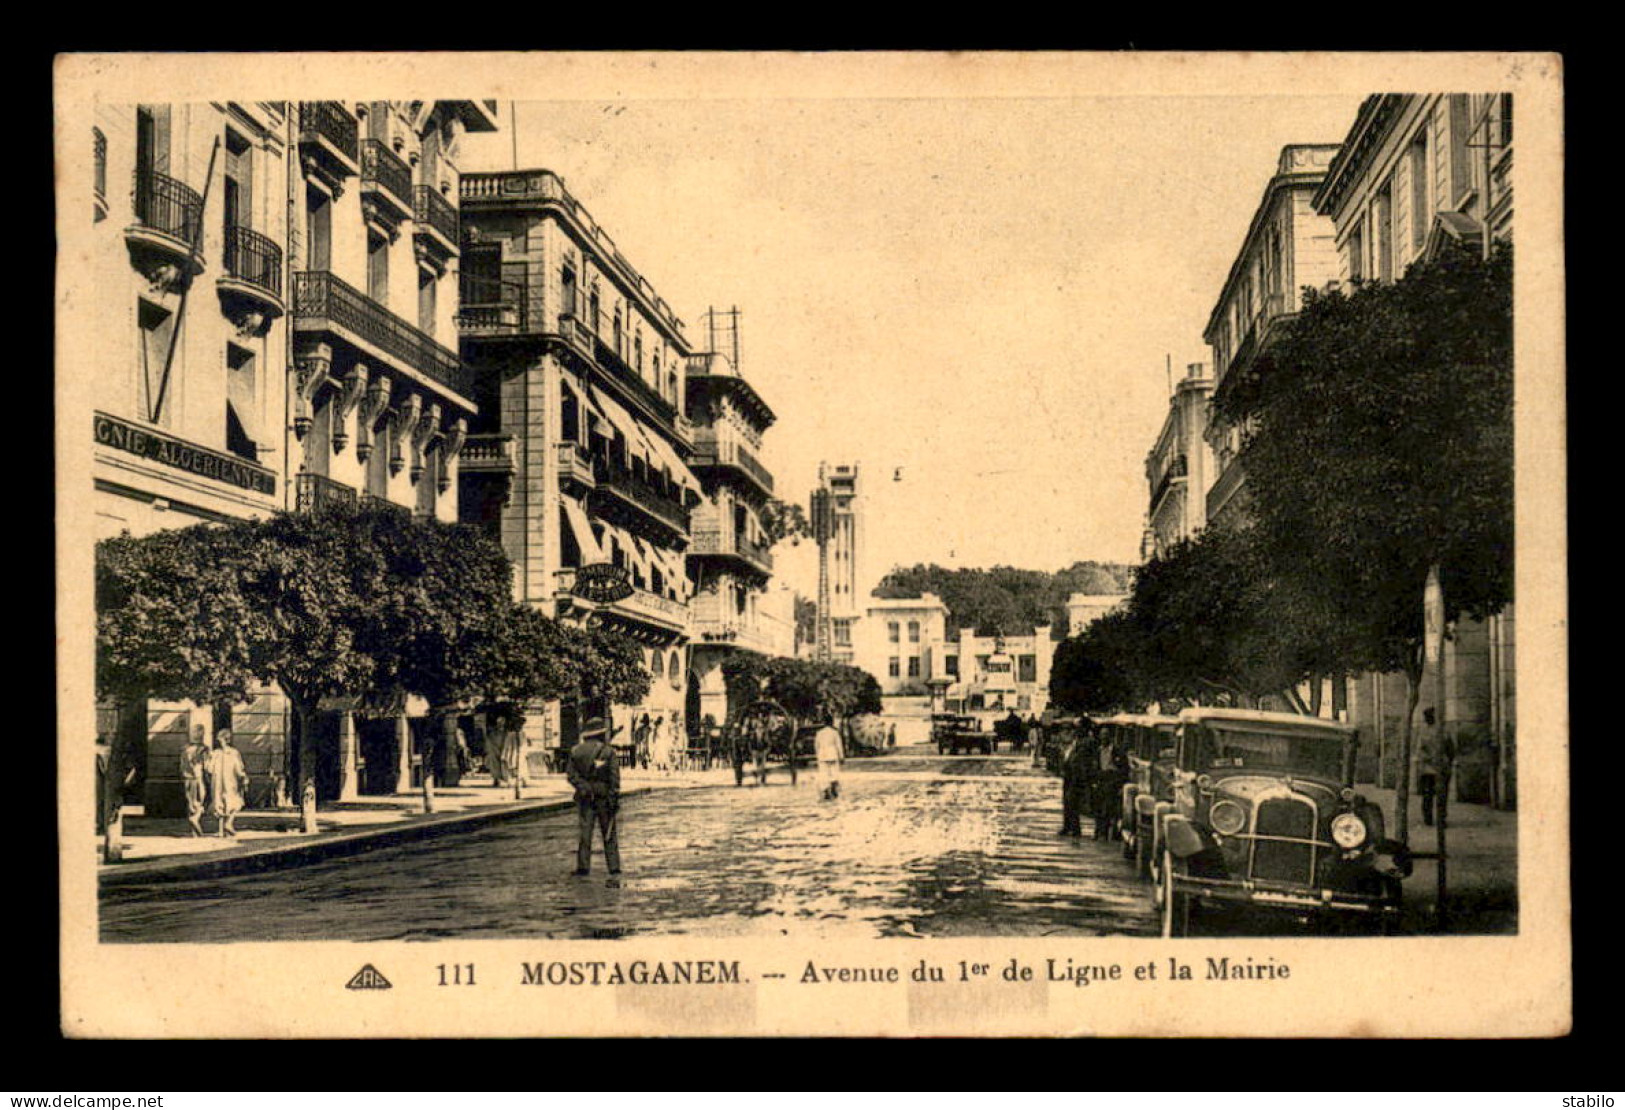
596, 776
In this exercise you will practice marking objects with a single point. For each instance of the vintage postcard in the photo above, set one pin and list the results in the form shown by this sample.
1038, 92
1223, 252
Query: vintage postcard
864, 544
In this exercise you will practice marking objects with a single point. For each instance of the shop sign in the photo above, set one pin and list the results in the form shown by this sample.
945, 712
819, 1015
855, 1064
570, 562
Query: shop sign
121, 436
602, 583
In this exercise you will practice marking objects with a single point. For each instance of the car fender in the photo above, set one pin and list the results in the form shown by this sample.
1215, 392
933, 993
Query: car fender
1181, 837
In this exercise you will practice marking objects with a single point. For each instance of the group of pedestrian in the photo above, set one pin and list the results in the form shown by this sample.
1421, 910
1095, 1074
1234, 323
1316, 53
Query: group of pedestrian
215, 782
1093, 771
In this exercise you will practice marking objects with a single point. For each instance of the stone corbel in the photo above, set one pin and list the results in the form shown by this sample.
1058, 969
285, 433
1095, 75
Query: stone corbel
424, 433
450, 448
310, 370
401, 428
353, 386
373, 406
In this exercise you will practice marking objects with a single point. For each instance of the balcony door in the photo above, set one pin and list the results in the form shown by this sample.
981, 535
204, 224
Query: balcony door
239, 183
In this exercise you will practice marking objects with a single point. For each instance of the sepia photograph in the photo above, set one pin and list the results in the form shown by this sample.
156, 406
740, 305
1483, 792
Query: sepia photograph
789, 522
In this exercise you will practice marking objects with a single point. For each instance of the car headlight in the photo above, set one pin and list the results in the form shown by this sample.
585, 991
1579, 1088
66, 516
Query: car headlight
1348, 831
1227, 818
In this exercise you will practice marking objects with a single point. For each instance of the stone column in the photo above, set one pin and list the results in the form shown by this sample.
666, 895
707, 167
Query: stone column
403, 755
349, 780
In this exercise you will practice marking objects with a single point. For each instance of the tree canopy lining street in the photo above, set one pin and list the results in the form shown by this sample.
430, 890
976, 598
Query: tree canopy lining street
1377, 446
337, 603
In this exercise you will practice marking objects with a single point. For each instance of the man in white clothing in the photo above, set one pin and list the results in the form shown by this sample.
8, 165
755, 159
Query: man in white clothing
827, 745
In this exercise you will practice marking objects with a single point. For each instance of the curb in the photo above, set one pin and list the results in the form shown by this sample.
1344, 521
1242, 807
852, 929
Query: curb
325, 846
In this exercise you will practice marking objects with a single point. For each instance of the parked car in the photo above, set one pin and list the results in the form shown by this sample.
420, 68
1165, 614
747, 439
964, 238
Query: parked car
955, 733
1151, 742
1263, 812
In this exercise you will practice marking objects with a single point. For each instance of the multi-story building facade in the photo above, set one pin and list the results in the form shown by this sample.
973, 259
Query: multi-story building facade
243, 363
577, 455
1179, 463
1414, 172
992, 675
730, 559
1288, 245
380, 400
841, 604
900, 641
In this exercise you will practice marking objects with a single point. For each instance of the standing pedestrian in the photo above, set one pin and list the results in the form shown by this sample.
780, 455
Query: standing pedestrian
228, 783
891, 735
195, 779
1078, 769
827, 744
1112, 773
596, 776
1427, 766
757, 730
1035, 738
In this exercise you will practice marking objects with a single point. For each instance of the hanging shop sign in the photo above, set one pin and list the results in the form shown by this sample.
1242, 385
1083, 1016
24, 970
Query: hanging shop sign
602, 583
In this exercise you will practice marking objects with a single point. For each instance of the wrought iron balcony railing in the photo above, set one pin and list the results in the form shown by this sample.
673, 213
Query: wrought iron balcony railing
657, 504
165, 205
489, 305
314, 492
254, 258
380, 166
1176, 469
333, 122
432, 210
321, 296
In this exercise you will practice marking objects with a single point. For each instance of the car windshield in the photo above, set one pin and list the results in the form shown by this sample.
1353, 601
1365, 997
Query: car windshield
1220, 748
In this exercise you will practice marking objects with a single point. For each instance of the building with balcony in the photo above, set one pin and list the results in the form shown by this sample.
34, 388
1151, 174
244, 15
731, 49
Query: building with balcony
187, 327
249, 231
1178, 465
730, 559
1288, 246
1414, 173
579, 373
379, 399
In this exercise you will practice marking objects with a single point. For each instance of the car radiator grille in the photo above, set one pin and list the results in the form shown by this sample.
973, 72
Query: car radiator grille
1274, 859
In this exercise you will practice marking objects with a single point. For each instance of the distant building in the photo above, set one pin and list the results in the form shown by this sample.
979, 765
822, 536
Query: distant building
729, 559
578, 455
1179, 464
992, 675
1084, 609
901, 640
1288, 245
841, 559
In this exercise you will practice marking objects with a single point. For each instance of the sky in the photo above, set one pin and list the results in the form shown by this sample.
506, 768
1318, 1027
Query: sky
974, 299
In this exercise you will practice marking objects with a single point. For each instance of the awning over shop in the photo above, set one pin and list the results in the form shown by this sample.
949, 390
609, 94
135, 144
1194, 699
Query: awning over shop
582, 528
631, 431
680, 473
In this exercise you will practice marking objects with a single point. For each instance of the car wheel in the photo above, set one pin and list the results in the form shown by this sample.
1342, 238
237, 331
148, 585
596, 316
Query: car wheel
1176, 906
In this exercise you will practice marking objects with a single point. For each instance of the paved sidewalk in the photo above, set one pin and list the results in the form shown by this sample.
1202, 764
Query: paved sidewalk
162, 847
1481, 871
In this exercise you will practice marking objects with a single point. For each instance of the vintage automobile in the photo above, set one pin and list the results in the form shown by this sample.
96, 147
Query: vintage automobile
1263, 812
1151, 742
955, 733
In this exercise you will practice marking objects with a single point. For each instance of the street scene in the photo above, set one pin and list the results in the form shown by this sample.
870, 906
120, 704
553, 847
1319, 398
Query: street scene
938, 539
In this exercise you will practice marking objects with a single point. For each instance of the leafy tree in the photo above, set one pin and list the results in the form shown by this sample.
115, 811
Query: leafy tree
170, 625
1379, 446
1004, 600
785, 520
806, 614
1095, 671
